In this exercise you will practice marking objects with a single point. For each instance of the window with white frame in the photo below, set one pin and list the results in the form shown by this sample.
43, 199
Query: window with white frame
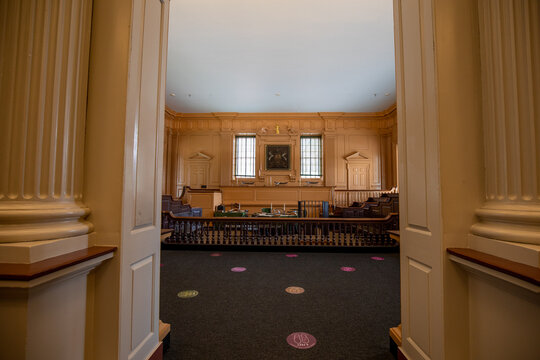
244, 156
311, 156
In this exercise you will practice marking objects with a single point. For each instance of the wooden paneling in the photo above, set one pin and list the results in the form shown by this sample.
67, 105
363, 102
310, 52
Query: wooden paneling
254, 198
362, 133
205, 200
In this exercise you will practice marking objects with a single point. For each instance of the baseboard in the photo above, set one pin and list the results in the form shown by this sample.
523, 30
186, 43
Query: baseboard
158, 353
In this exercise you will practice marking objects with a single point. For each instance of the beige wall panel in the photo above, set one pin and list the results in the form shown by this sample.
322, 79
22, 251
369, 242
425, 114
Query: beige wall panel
358, 142
503, 320
240, 194
226, 162
281, 195
340, 162
375, 150
323, 194
330, 160
419, 304
207, 201
148, 117
214, 163
143, 288
414, 112
44, 310
262, 196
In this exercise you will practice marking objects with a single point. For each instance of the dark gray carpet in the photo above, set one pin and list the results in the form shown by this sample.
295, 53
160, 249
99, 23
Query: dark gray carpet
248, 315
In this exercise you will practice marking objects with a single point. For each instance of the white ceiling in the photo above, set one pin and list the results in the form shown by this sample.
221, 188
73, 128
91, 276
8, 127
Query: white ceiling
280, 56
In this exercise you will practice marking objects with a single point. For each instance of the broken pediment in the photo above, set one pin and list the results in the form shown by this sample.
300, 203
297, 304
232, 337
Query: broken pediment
200, 156
356, 156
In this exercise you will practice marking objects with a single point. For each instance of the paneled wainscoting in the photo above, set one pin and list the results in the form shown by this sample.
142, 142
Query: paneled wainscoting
314, 232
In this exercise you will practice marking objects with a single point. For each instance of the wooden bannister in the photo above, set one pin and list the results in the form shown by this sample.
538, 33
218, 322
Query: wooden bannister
365, 232
344, 198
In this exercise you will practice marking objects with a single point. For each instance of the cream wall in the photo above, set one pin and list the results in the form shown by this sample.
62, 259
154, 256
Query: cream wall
372, 135
468, 94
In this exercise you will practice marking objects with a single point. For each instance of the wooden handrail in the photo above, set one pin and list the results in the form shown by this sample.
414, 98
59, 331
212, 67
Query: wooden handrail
521, 271
381, 191
269, 231
278, 219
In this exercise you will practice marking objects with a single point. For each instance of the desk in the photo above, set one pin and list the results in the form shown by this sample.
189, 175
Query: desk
207, 199
230, 214
267, 215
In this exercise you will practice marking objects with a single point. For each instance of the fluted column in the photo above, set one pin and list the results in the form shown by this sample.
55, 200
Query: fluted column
43, 81
510, 59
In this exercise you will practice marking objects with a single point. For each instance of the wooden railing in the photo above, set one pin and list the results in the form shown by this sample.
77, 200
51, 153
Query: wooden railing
344, 198
283, 231
313, 209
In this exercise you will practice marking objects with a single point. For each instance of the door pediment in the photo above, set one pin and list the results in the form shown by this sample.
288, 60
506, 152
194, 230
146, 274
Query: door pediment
356, 156
200, 156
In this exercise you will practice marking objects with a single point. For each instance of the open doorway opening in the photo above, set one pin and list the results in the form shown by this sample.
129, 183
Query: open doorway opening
278, 74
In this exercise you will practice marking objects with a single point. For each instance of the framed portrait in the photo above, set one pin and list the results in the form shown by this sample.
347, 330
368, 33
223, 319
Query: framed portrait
278, 157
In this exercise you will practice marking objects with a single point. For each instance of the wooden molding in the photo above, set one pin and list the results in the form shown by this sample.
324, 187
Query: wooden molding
27, 272
226, 121
521, 271
158, 353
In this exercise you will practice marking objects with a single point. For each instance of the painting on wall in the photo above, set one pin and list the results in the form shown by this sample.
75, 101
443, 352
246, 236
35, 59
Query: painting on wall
278, 157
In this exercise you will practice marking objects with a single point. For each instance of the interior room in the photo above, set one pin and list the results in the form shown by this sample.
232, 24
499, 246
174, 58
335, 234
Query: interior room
280, 136
283, 180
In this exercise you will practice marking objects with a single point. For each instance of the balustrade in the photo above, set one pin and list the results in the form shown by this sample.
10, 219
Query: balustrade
344, 198
363, 232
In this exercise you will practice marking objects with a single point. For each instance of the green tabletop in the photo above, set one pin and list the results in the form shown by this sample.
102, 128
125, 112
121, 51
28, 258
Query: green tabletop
230, 214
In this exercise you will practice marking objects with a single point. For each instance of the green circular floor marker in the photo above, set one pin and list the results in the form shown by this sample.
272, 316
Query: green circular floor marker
186, 294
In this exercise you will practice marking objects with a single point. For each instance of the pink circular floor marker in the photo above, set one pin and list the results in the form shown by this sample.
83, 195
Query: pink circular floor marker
238, 269
301, 340
347, 268
294, 290
291, 255
215, 254
378, 258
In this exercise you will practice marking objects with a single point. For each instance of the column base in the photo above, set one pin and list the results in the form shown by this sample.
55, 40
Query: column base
509, 222
42, 220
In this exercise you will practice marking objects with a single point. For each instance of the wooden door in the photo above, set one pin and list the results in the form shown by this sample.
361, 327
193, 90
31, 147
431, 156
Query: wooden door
358, 176
420, 197
140, 252
198, 175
